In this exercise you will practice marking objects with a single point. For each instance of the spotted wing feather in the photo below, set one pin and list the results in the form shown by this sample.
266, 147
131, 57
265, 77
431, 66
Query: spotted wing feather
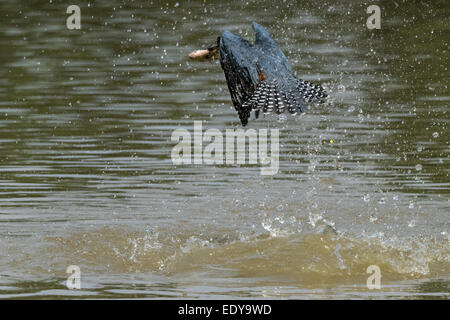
268, 98
311, 92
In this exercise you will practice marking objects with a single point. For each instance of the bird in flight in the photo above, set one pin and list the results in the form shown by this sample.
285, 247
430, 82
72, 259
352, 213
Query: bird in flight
259, 76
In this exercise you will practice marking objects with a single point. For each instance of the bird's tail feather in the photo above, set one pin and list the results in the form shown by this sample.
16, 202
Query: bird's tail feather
311, 92
268, 98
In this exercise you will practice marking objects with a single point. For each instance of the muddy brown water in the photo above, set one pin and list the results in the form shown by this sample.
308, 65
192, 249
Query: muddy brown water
86, 176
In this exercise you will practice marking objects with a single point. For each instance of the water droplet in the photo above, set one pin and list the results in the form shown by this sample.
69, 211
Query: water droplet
282, 118
366, 198
312, 165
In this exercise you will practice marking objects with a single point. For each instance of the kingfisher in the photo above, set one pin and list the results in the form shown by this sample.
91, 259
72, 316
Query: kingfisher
259, 76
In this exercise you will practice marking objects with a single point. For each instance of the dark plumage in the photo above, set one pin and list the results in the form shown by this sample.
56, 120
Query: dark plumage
260, 78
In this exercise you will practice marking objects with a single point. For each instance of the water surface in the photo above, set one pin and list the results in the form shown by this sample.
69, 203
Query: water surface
86, 177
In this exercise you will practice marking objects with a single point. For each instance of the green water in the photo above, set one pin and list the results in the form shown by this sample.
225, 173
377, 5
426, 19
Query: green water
86, 176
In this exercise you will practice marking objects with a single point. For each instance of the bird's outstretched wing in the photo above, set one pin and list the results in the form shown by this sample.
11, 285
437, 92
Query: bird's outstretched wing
239, 82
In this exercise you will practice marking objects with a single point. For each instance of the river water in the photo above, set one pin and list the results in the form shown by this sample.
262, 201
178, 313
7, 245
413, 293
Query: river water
86, 176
